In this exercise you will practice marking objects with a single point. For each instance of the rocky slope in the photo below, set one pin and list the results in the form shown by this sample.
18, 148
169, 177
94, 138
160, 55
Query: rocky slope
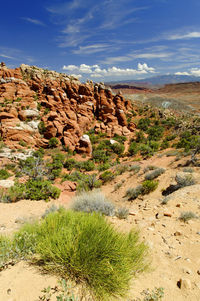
35, 101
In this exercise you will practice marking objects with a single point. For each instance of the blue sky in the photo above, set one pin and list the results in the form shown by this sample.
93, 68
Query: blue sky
105, 39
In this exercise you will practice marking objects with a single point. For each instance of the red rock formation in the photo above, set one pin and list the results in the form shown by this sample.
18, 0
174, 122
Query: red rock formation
67, 108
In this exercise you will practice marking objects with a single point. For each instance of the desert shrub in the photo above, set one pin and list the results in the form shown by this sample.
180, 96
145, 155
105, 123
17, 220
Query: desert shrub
103, 167
120, 139
133, 148
62, 292
170, 137
188, 141
140, 137
70, 163
188, 169
88, 182
149, 186
155, 132
186, 216
53, 142
185, 180
169, 122
134, 168
51, 209
93, 201
55, 167
165, 200
4, 174
164, 144
107, 176
88, 248
34, 167
32, 190
122, 213
85, 182
154, 145
118, 185
154, 295
154, 174
146, 150
41, 190
120, 169
118, 148
143, 124
100, 156
150, 167
87, 165
22, 143
133, 193
14, 194
41, 128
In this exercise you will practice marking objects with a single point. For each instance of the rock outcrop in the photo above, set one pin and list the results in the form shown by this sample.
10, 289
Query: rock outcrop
38, 104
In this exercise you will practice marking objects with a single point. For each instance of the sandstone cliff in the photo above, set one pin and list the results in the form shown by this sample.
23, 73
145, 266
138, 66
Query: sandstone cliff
38, 104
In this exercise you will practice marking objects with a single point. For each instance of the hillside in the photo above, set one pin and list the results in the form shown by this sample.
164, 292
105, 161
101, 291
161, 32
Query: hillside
118, 165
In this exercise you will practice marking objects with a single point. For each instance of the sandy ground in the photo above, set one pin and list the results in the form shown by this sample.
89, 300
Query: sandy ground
174, 245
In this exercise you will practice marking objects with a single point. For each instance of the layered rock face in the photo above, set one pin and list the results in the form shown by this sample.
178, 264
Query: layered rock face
38, 104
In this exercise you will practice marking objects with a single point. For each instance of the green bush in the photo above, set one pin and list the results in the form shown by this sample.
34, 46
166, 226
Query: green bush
104, 166
4, 174
107, 176
41, 190
155, 132
85, 182
143, 124
53, 142
87, 165
31, 190
120, 139
41, 128
118, 148
133, 148
149, 186
70, 163
100, 156
88, 248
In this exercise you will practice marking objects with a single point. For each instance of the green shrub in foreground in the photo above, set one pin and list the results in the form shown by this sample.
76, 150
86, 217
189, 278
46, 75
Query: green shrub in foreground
88, 248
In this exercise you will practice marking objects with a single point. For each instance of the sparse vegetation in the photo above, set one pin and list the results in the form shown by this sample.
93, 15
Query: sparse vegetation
186, 216
83, 246
154, 174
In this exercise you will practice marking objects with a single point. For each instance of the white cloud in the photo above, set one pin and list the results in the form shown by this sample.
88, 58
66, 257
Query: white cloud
195, 71
182, 73
34, 21
191, 72
6, 56
190, 35
90, 49
78, 76
95, 71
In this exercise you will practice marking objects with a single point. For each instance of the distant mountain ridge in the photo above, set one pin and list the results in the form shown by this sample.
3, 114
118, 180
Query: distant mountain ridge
159, 80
